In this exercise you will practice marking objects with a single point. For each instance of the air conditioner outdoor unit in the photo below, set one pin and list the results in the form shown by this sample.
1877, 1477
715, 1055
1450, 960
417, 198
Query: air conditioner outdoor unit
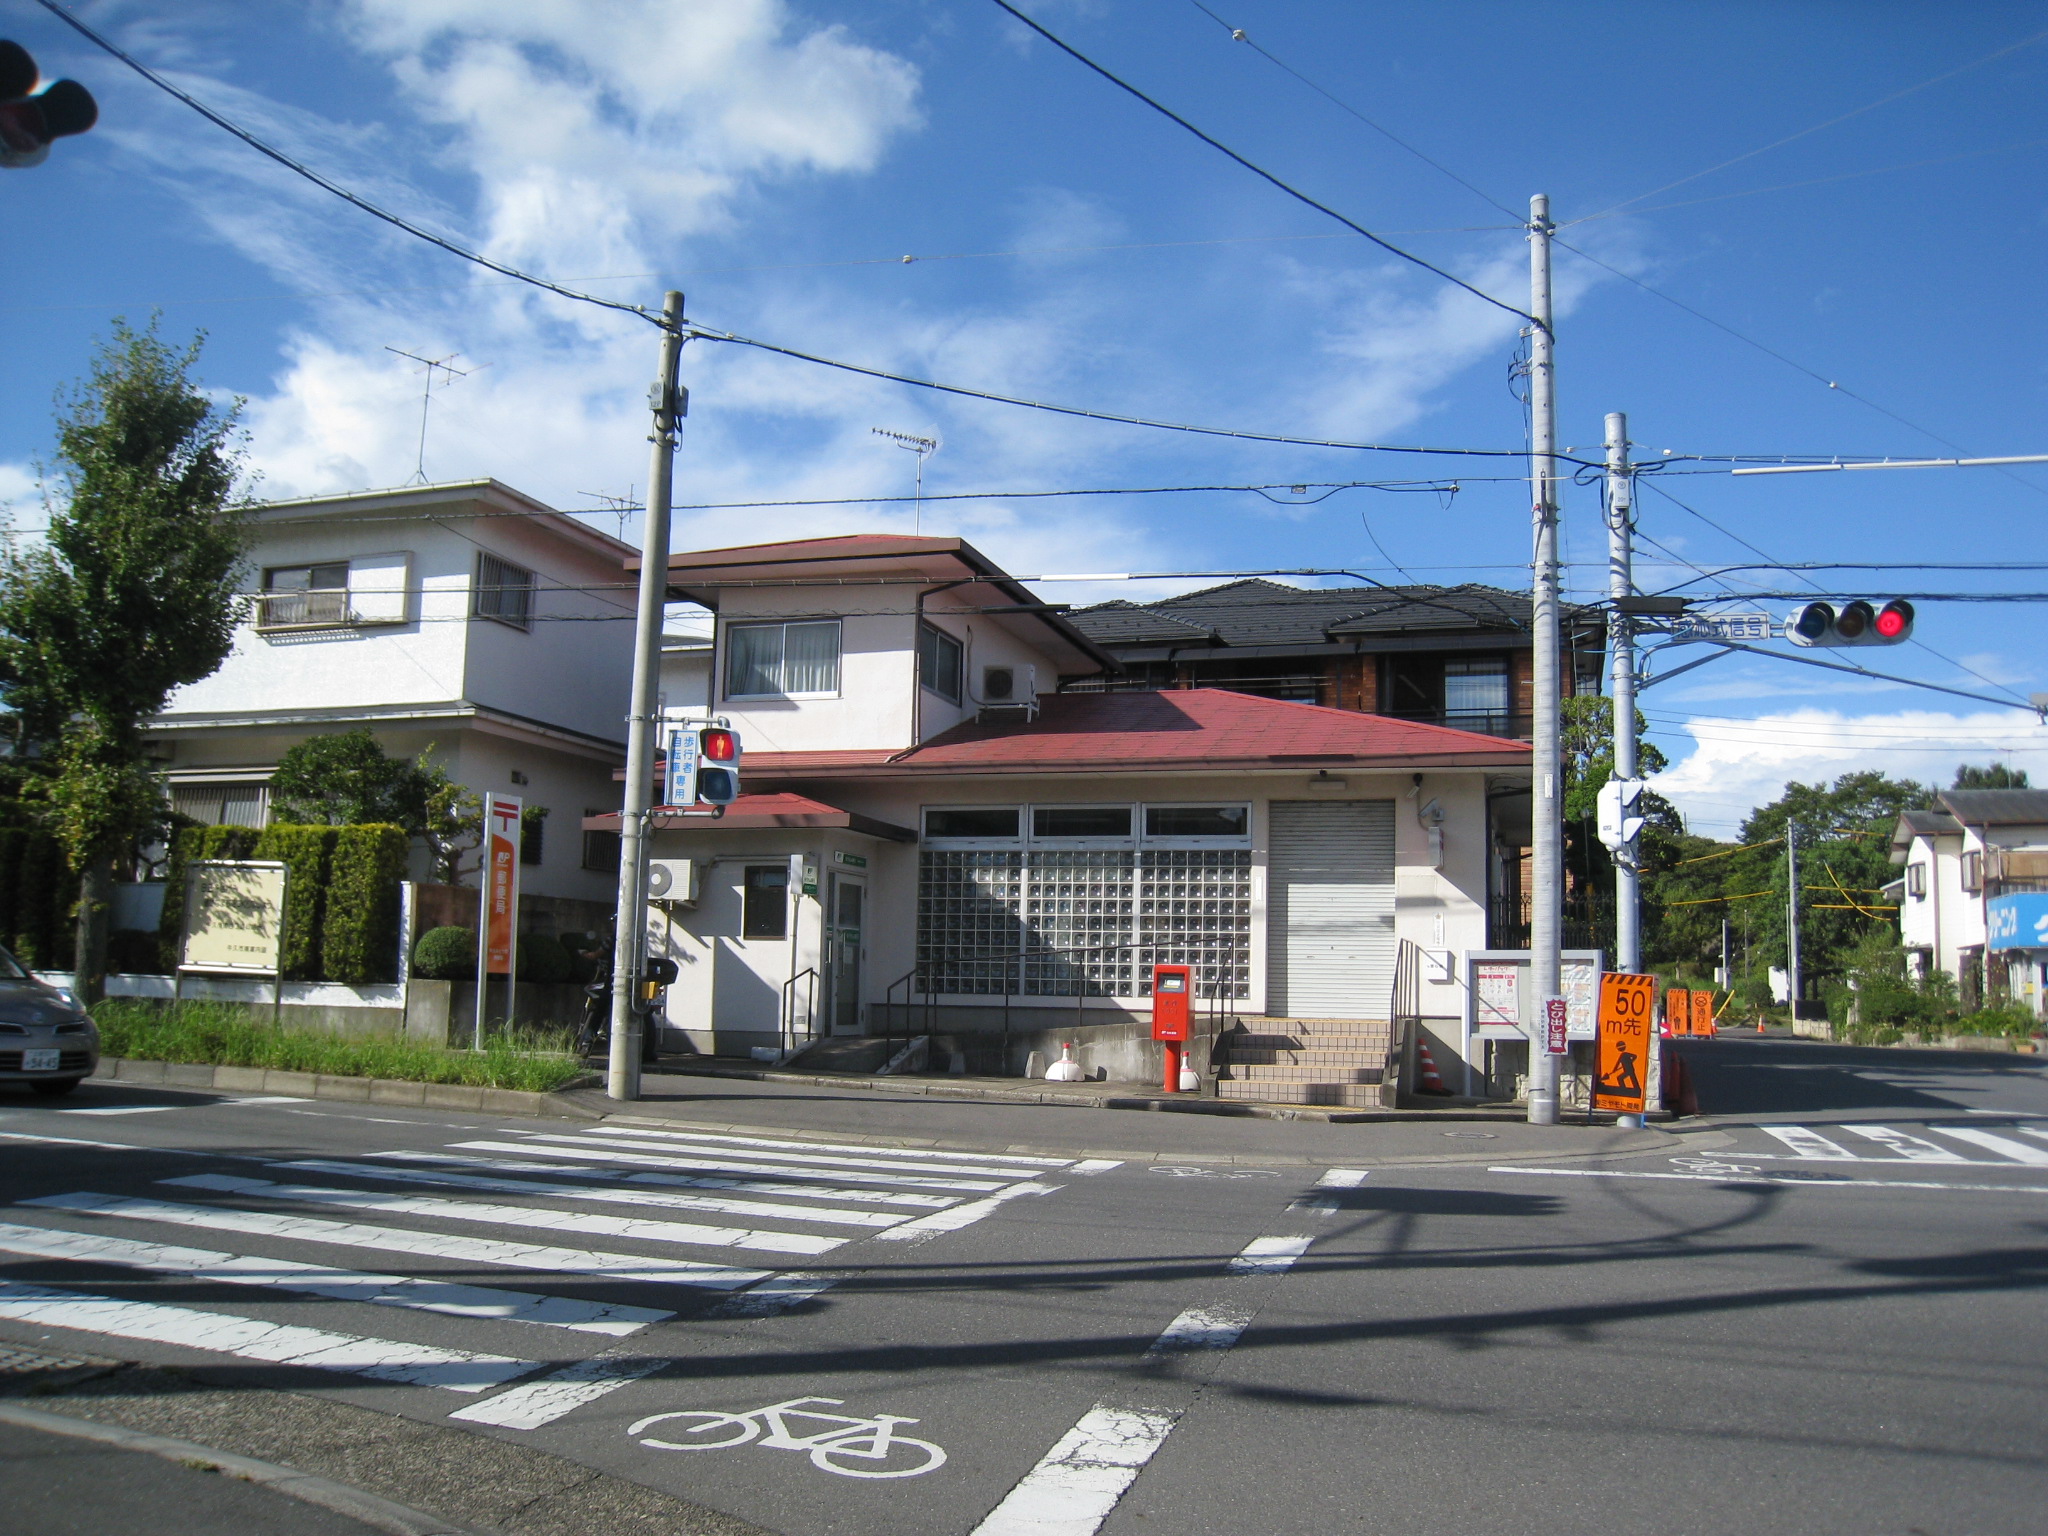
1010, 687
672, 882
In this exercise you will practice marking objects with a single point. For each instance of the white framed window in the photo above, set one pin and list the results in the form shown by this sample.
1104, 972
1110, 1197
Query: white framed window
1916, 881
1973, 872
311, 596
1198, 826
974, 826
1081, 823
504, 592
1476, 691
798, 660
938, 662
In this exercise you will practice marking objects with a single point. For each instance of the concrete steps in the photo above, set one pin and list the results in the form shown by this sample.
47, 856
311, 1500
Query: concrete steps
1305, 1061
1347, 1096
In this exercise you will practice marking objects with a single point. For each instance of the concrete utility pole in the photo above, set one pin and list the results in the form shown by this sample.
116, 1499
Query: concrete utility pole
1628, 918
1546, 913
1792, 915
622, 1079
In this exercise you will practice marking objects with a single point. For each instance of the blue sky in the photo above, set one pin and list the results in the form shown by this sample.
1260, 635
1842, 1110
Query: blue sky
776, 160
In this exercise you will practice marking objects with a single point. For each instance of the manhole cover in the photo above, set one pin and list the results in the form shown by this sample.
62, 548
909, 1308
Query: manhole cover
1472, 1135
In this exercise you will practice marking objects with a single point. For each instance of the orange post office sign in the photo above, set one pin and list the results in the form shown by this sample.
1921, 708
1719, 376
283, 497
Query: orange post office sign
1703, 1014
1628, 1010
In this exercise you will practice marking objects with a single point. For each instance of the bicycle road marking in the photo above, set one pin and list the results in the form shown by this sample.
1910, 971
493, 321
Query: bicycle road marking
1176, 1171
827, 1447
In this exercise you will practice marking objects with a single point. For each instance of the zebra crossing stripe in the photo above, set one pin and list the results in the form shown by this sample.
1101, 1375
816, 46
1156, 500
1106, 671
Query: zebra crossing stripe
2018, 1151
440, 1245
276, 1343
778, 1293
819, 1163
710, 1164
1809, 1143
1008, 1158
542, 1401
422, 1295
1332, 1179
1079, 1481
1914, 1149
825, 1215
785, 1188
583, 1222
1269, 1255
960, 1215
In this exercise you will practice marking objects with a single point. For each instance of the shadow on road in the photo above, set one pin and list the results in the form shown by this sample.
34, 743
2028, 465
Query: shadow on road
1737, 1077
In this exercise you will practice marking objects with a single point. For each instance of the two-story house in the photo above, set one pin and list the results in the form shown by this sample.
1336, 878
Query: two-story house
466, 618
932, 831
1974, 892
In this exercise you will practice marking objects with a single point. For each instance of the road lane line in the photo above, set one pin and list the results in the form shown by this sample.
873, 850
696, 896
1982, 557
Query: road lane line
1095, 1165
1201, 1328
542, 1401
776, 1294
1784, 1180
1332, 1179
276, 1343
440, 1245
960, 1215
1809, 1144
584, 1223
710, 1164
823, 1164
672, 1180
2018, 1151
124, 1109
1914, 1149
1078, 1482
1006, 1158
824, 1215
1269, 1255
415, 1292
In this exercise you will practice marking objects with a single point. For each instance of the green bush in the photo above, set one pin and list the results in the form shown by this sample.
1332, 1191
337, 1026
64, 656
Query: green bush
224, 1034
445, 954
187, 844
2013, 1020
542, 958
359, 941
38, 892
304, 851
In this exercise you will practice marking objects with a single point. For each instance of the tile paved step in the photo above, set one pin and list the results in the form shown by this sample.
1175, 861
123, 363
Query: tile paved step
1271, 1042
1302, 1074
1349, 1096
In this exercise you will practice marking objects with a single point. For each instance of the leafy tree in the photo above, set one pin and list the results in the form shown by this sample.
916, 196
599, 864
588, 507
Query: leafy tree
451, 820
131, 594
1997, 776
346, 780
1586, 749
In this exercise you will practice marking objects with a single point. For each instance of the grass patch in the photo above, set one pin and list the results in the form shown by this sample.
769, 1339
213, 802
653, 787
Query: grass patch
228, 1035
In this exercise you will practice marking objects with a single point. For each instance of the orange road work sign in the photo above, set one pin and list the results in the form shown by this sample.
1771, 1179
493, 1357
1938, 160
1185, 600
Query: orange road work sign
1703, 1014
1628, 1007
1677, 1012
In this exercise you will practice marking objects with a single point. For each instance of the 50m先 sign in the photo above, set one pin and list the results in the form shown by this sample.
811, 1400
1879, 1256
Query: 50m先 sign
1628, 1012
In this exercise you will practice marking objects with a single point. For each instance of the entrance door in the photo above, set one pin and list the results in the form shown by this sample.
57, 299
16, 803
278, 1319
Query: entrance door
847, 946
1330, 909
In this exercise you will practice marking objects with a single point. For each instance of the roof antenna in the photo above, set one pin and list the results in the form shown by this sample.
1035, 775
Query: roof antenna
419, 474
924, 448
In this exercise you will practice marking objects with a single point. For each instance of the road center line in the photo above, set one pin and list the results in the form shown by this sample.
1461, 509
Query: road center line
1784, 1181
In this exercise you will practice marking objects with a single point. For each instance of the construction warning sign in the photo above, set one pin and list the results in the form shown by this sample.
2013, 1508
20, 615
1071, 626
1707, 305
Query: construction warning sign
1628, 1007
1703, 1013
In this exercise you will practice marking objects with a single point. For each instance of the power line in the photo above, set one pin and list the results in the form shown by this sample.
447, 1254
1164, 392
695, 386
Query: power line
1259, 171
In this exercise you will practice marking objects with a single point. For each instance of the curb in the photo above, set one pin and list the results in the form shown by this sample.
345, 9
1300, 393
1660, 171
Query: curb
367, 1508
358, 1090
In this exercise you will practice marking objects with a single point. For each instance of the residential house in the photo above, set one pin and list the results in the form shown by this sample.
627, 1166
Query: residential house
1974, 892
938, 833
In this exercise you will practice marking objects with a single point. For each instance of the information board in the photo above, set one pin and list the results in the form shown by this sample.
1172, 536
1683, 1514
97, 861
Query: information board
1627, 1006
1500, 1005
234, 917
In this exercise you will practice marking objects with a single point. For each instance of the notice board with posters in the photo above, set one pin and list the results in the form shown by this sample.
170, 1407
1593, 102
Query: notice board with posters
1499, 1004
234, 917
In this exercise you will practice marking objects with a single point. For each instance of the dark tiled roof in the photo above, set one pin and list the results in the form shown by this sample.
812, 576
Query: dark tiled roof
1923, 824
1122, 623
1997, 807
1259, 612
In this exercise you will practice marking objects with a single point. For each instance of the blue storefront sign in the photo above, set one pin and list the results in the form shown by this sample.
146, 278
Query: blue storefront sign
2017, 922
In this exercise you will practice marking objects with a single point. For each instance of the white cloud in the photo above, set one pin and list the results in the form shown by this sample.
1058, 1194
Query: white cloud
1737, 765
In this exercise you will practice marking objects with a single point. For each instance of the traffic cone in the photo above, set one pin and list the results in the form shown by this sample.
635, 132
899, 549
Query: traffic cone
1428, 1079
1066, 1069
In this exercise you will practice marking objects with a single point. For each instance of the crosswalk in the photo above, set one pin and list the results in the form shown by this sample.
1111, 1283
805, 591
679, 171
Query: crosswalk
1888, 1144
599, 1233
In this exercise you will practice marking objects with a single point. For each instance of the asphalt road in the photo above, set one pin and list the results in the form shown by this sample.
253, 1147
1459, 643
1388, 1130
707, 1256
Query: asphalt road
1817, 1309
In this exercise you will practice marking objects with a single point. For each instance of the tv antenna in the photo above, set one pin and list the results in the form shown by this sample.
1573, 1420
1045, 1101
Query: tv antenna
924, 448
430, 364
618, 506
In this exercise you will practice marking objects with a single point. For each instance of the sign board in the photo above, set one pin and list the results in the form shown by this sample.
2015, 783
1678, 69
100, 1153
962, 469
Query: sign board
234, 917
1556, 1026
1677, 1011
850, 860
2018, 921
1703, 1014
1500, 1006
1725, 626
1628, 1004
500, 930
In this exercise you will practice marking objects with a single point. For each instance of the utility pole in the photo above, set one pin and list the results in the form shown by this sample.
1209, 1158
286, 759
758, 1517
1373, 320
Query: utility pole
1628, 926
1792, 916
622, 1079
1546, 912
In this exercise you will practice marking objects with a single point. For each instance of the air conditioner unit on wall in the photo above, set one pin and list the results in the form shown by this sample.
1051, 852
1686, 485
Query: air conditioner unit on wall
672, 882
1009, 688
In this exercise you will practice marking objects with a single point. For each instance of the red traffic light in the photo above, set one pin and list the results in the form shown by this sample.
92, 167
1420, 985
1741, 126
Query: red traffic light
719, 746
1854, 623
1895, 620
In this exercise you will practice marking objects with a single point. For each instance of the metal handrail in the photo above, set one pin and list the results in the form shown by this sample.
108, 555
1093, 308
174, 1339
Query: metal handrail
1404, 1014
809, 980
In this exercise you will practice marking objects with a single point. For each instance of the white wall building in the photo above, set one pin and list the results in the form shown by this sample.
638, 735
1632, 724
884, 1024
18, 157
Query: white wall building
1975, 889
466, 618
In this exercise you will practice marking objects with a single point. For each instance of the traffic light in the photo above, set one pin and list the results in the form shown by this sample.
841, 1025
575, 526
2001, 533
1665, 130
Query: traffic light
1854, 623
29, 118
703, 765
1617, 808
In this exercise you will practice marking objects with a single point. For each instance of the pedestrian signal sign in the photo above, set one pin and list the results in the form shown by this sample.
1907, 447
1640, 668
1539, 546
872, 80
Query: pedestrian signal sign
1627, 1008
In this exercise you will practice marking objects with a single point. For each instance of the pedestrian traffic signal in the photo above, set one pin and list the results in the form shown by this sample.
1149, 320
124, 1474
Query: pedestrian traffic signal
703, 766
30, 119
1854, 623
1618, 806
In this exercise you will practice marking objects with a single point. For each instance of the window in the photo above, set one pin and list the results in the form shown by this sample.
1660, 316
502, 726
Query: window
1973, 872
987, 823
1916, 881
223, 805
938, 662
504, 592
764, 902
782, 660
601, 849
1475, 689
1179, 821
533, 826
304, 597
1061, 821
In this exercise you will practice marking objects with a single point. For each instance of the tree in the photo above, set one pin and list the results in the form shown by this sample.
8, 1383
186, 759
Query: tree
451, 820
133, 592
1997, 776
347, 780
1586, 749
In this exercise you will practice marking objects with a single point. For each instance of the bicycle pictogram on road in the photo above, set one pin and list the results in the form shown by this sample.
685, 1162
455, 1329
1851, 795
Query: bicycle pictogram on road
851, 1447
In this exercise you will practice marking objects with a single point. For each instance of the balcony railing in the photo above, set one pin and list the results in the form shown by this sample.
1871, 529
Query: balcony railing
304, 610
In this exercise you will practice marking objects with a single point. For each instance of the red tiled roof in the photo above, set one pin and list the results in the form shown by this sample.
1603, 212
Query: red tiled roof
754, 812
1181, 730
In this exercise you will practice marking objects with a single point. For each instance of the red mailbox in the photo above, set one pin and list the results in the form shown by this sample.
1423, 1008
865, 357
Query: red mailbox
1172, 990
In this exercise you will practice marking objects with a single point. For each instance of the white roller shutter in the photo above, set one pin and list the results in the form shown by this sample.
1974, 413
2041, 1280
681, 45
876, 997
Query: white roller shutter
1330, 909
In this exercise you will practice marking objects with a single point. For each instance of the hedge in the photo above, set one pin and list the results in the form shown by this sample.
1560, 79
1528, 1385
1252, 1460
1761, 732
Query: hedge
187, 844
38, 894
304, 851
359, 937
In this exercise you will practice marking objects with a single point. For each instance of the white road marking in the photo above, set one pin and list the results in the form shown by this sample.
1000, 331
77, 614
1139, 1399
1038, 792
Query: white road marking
709, 1164
817, 1162
2018, 1151
828, 1146
539, 1402
787, 1190
1914, 1149
124, 1109
1095, 1165
1269, 1255
824, 1215
472, 1250
1201, 1328
960, 1215
416, 1293
277, 1343
80, 1141
589, 1224
1078, 1482
1809, 1144
1881, 1162
1785, 1180
1332, 1179
778, 1293
267, 1098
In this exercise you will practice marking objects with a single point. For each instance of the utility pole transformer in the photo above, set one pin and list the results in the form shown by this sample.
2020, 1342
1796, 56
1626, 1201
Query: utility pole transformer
622, 1078
1546, 913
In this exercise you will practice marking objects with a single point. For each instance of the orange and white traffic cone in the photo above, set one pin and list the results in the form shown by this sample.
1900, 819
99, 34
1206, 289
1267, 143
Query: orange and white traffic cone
1428, 1079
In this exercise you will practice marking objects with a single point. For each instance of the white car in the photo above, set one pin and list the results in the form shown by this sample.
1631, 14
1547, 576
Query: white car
46, 1040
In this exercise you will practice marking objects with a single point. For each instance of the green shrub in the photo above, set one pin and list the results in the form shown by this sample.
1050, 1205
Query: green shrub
542, 958
2013, 1020
445, 954
360, 939
304, 851
187, 844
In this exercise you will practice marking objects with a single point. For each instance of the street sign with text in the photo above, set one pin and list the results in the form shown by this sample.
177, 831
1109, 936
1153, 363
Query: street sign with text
1627, 1006
1725, 626
1556, 1026
1703, 1013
